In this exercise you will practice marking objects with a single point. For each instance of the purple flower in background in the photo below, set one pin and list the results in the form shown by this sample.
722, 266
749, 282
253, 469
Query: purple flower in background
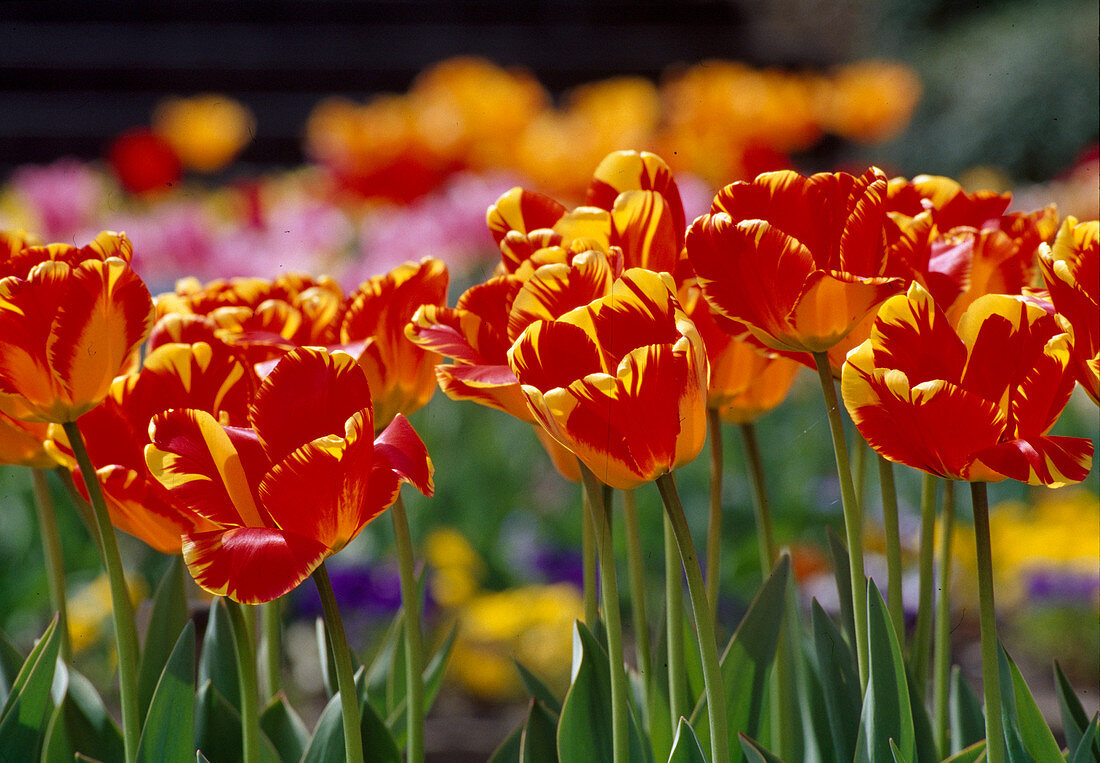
1061, 586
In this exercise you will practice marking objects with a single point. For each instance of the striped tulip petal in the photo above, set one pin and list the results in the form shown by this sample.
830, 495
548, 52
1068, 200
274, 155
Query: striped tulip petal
494, 386
402, 450
522, 211
622, 171
644, 226
447, 331
1050, 461
251, 565
554, 290
143, 508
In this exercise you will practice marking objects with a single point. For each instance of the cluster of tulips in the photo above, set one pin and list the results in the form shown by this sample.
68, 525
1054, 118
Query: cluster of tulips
265, 427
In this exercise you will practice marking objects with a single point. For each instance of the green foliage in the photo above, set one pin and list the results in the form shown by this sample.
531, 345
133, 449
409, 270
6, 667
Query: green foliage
24, 715
168, 617
886, 717
81, 724
965, 711
839, 684
284, 728
1029, 736
685, 745
168, 734
538, 741
218, 661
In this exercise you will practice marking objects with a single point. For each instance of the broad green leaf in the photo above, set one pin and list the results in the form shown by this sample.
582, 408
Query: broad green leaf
284, 728
81, 724
327, 744
970, 754
381, 664
218, 728
584, 731
508, 751
660, 714
433, 680
754, 751
169, 615
693, 661
965, 711
537, 689
898, 756
218, 661
842, 572
746, 662
886, 713
685, 745
1027, 718
169, 733
538, 741
817, 738
200, 758
839, 684
24, 716
1084, 752
10, 662
1074, 720
328, 665
924, 744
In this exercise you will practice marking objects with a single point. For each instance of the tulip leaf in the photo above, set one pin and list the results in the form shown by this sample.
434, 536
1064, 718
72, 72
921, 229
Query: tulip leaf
169, 615
754, 751
381, 663
81, 724
284, 728
967, 718
685, 745
1084, 752
25, 712
509, 749
887, 714
899, 757
1074, 720
584, 731
808, 702
538, 740
1020, 711
169, 734
327, 744
10, 663
924, 744
842, 572
328, 662
747, 659
839, 684
537, 689
693, 661
218, 661
970, 754
218, 728
433, 680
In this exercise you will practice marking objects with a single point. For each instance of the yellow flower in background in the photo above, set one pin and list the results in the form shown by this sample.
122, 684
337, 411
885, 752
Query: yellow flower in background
206, 131
869, 101
89, 609
457, 568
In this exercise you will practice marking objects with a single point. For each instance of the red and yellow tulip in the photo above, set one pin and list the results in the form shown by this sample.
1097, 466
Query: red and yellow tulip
622, 381
973, 403
22, 443
72, 319
291, 488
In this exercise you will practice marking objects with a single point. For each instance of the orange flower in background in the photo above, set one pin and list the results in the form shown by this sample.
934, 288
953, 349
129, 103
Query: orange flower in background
205, 131
22, 443
622, 381
293, 487
973, 403
72, 319
869, 100
201, 376
401, 374
799, 260
1071, 269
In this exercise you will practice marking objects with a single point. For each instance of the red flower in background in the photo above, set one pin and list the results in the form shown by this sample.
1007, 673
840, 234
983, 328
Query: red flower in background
973, 403
294, 486
144, 161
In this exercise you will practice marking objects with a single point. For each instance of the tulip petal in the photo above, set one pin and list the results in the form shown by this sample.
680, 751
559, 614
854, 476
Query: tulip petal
554, 354
911, 334
554, 290
494, 386
643, 225
401, 447
251, 565
144, 508
623, 171
1050, 461
447, 331
523, 211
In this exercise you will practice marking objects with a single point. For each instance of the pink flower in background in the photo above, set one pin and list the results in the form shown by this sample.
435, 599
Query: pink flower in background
64, 198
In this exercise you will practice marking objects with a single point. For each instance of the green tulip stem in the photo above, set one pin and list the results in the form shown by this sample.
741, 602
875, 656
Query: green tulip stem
341, 656
894, 604
853, 519
765, 533
991, 680
271, 625
55, 559
674, 628
126, 640
714, 526
609, 589
414, 651
588, 560
704, 623
636, 567
920, 651
941, 669
246, 676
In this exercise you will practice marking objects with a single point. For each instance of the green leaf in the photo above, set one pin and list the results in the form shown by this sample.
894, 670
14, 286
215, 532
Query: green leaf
842, 571
24, 716
584, 731
839, 684
693, 661
1084, 752
754, 751
537, 689
433, 680
746, 662
924, 745
81, 724
169, 615
1024, 715
381, 664
971, 754
538, 741
1074, 720
218, 728
218, 661
169, 733
284, 728
809, 699
685, 745
965, 711
899, 757
886, 713
508, 751
327, 744
328, 663
10, 662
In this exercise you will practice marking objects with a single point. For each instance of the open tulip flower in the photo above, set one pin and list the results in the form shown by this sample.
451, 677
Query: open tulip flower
293, 487
22, 443
200, 376
972, 404
1071, 269
799, 260
72, 319
622, 381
